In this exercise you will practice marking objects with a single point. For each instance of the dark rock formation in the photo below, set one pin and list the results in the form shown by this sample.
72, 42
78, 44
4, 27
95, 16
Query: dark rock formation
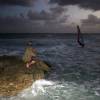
14, 76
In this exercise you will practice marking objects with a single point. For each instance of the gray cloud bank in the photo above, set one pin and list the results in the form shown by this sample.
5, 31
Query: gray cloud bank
40, 16
55, 12
43, 24
22, 25
91, 21
36, 22
91, 24
91, 4
17, 2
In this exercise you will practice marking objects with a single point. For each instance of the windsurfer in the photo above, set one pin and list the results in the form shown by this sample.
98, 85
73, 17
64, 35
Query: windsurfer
80, 37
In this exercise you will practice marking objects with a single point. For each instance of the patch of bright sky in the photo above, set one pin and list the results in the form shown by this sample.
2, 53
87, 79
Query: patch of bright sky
97, 13
76, 14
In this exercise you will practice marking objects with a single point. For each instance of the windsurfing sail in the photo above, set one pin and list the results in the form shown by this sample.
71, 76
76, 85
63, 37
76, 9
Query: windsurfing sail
80, 39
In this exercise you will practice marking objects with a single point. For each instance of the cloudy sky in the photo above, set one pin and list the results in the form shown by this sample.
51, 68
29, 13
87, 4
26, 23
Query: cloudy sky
49, 16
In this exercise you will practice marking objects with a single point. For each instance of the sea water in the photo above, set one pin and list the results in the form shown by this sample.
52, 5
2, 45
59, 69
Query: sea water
75, 71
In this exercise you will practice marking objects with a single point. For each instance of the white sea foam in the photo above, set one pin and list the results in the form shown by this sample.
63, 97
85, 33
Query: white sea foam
37, 88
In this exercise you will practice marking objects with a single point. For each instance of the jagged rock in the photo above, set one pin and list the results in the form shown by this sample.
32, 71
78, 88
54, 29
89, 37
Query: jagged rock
14, 76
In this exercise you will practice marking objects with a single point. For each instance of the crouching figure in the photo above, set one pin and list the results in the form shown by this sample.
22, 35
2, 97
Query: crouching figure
30, 55
37, 67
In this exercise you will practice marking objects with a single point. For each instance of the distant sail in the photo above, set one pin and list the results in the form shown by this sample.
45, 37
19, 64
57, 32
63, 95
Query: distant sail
80, 39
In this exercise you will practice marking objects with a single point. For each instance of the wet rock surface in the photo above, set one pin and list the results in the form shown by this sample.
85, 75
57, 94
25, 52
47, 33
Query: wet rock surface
14, 76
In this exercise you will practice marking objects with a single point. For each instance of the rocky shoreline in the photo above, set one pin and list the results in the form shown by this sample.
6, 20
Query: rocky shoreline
15, 77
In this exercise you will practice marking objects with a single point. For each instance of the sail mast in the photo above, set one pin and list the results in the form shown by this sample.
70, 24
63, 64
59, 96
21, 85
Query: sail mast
80, 37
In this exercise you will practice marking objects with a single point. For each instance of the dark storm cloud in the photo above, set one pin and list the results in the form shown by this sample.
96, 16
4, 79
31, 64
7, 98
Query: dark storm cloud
92, 4
18, 25
40, 16
92, 20
55, 12
17, 2
57, 9
24, 25
12, 20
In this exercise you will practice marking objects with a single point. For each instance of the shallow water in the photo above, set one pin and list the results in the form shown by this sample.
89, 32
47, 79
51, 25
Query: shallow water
75, 71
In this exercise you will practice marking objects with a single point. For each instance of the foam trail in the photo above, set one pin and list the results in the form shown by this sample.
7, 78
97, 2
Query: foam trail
38, 86
97, 91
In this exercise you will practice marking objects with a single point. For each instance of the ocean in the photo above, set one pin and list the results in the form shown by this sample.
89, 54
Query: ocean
75, 71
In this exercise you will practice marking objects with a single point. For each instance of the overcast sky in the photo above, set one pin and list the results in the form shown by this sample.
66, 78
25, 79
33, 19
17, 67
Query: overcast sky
49, 16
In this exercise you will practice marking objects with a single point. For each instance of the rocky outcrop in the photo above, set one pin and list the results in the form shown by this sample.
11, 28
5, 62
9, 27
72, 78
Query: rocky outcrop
14, 76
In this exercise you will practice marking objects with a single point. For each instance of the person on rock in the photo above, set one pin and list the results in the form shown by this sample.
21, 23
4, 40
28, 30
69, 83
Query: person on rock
30, 54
